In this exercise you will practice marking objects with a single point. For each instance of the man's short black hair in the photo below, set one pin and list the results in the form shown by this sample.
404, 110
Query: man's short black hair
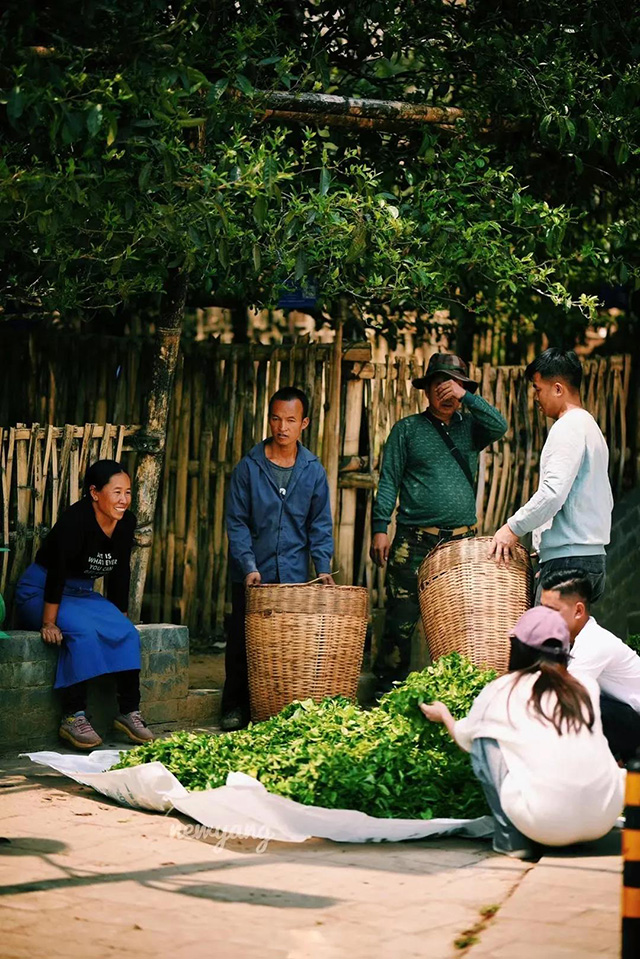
557, 364
288, 393
569, 582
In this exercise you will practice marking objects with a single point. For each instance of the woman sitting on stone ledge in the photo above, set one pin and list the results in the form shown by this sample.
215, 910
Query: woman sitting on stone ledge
55, 595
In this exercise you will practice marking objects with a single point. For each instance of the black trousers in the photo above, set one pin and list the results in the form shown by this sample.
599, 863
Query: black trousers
621, 726
74, 698
235, 694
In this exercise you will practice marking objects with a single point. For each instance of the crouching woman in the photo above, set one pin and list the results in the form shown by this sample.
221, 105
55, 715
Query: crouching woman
537, 746
55, 596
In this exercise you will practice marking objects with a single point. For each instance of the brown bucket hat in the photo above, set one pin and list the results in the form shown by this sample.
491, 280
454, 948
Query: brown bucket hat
452, 366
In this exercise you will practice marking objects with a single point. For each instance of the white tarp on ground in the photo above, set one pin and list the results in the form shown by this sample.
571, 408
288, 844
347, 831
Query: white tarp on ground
244, 807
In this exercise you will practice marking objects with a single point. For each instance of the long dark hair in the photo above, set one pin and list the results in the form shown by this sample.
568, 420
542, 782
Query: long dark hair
572, 699
99, 474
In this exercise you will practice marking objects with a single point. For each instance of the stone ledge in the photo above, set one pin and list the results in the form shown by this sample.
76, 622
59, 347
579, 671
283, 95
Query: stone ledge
30, 709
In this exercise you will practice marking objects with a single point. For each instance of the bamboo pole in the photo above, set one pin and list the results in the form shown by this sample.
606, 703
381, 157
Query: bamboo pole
190, 577
219, 536
7, 471
182, 477
351, 445
330, 438
22, 512
205, 541
38, 483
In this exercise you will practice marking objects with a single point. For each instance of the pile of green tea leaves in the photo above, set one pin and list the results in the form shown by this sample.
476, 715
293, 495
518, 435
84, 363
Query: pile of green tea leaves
389, 761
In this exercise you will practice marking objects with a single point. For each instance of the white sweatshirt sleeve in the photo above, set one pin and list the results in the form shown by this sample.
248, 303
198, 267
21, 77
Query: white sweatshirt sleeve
467, 729
559, 465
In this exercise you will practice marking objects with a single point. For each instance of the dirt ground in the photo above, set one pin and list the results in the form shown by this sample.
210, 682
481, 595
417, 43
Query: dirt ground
206, 670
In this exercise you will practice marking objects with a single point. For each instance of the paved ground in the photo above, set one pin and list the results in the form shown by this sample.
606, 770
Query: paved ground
82, 876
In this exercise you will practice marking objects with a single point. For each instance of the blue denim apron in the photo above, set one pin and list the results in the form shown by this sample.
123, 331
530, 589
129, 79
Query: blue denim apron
98, 638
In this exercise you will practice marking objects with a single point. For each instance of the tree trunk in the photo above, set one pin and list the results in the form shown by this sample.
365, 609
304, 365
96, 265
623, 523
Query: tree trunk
152, 438
466, 325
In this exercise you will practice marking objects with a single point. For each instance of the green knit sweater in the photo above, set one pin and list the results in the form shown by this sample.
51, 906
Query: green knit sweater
420, 469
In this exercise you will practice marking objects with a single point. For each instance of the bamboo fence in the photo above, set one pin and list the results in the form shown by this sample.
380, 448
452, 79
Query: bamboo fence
218, 411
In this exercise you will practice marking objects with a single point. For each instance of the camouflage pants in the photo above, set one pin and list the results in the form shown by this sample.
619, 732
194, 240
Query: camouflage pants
410, 546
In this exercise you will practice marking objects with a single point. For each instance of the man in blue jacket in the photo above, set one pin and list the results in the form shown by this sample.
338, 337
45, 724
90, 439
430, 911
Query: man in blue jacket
278, 514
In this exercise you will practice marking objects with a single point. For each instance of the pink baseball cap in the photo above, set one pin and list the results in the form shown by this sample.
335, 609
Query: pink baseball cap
539, 625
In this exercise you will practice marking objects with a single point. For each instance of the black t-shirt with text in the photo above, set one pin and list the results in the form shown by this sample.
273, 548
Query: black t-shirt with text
78, 547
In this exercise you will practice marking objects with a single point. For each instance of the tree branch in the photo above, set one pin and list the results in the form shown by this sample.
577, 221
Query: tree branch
351, 111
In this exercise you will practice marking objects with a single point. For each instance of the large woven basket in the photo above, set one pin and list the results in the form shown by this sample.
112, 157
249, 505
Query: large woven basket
468, 604
303, 642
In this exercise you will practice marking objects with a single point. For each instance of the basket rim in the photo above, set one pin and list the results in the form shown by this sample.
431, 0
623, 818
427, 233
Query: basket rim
475, 539
323, 586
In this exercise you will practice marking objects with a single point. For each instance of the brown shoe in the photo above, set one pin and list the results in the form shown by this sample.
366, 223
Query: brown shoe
78, 731
134, 726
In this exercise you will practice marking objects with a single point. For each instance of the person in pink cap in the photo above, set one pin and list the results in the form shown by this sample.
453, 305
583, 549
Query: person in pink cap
537, 746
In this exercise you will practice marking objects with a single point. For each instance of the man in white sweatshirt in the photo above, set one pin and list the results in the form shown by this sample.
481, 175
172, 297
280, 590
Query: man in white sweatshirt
600, 655
570, 514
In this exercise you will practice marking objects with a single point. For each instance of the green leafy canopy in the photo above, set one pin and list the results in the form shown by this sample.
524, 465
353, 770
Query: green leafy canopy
134, 143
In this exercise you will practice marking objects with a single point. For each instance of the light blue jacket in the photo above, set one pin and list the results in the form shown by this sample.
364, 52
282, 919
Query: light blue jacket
275, 534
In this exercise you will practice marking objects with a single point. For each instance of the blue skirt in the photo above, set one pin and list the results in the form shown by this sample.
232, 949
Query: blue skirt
98, 638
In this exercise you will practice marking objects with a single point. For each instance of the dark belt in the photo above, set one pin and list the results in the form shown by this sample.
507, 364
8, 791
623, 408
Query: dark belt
458, 531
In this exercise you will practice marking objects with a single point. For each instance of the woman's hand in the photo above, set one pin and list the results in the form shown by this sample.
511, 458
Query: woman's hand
436, 712
253, 579
51, 634
439, 713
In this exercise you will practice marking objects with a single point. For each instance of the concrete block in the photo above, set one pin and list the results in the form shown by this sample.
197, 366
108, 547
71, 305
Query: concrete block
201, 707
182, 660
164, 687
164, 636
42, 673
24, 646
161, 663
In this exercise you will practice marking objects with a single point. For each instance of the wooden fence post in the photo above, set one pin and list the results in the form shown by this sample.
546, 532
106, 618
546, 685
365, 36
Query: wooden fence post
352, 420
331, 430
152, 441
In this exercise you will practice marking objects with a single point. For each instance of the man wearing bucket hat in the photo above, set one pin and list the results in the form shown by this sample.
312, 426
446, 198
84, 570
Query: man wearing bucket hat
537, 745
429, 466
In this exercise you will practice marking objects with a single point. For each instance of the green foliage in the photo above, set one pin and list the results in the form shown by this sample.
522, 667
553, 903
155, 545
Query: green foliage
387, 762
133, 144
634, 642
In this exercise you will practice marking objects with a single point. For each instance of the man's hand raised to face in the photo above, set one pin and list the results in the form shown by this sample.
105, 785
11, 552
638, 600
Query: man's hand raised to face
450, 390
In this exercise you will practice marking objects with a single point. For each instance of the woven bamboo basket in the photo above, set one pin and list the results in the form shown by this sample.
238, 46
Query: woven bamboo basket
303, 642
468, 604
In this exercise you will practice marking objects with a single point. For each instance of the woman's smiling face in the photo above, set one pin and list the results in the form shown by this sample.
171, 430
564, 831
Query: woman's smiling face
114, 499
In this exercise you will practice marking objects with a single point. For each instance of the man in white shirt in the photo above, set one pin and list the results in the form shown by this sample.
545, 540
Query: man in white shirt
570, 514
598, 654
